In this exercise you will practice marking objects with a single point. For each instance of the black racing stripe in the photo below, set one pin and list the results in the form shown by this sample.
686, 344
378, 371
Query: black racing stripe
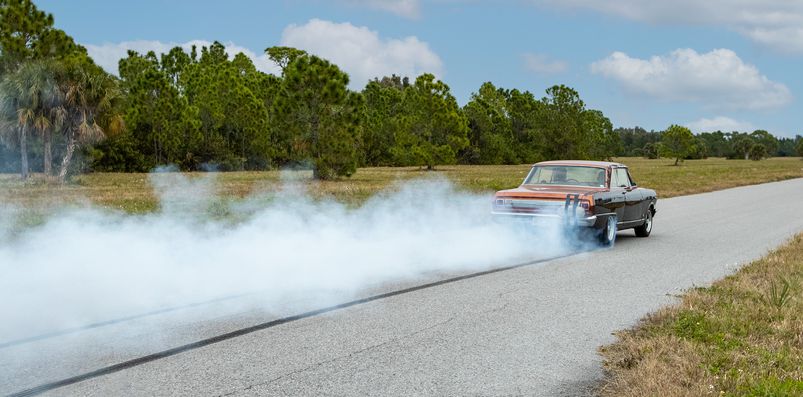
100, 324
244, 331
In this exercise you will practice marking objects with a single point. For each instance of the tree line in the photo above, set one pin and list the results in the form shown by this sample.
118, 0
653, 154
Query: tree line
678, 142
202, 109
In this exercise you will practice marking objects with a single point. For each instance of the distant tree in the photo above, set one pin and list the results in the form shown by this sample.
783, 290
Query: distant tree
174, 63
233, 113
605, 143
758, 152
491, 139
27, 34
22, 27
741, 144
700, 150
799, 146
652, 150
317, 114
92, 102
524, 111
14, 129
119, 153
716, 143
28, 44
394, 81
195, 109
384, 112
561, 124
677, 142
283, 56
786, 147
161, 123
256, 95
634, 140
434, 128
31, 101
765, 139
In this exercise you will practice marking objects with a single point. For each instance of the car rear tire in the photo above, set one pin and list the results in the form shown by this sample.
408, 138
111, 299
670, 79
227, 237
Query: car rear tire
645, 229
607, 235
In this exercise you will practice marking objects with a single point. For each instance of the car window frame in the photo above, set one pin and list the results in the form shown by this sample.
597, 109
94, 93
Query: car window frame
533, 170
616, 176
630, 177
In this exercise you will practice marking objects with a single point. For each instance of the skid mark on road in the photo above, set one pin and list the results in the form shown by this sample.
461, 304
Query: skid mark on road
259, 327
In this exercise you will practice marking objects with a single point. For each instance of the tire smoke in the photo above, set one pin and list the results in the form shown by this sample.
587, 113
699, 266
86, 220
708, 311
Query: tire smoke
88, 265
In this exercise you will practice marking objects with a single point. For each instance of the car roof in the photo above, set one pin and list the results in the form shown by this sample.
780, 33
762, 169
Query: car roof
586, 163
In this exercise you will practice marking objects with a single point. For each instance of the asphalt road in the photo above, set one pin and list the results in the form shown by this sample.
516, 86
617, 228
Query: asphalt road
530, 330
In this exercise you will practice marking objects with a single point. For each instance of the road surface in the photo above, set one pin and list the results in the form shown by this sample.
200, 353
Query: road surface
526, 330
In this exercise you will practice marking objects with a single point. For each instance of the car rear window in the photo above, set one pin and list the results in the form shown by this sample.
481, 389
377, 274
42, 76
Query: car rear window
566, 175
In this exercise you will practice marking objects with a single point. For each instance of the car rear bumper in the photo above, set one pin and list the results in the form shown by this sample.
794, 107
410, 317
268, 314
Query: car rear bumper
582, 221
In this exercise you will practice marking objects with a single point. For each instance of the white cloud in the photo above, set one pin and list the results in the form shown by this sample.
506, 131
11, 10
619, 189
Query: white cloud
775, 23
542, 64
718, 79
361, 52
719, 123
109, 54
404, 8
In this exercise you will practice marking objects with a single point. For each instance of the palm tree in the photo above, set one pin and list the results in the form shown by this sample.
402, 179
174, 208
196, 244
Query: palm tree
11, 134
91, 103
30, 100
45, 115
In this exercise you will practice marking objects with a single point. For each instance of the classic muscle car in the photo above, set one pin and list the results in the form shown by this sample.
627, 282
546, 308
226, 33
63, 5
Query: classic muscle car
591, 195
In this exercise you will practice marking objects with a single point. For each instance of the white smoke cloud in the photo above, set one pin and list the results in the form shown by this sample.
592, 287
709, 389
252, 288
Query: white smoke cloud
361, 52
8, 216
88, 265
108, 55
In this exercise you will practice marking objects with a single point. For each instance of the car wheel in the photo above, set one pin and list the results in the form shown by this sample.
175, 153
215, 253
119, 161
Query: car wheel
607, 235
645, 229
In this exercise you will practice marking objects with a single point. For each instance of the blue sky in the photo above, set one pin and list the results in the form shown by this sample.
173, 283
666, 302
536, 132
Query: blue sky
719, 64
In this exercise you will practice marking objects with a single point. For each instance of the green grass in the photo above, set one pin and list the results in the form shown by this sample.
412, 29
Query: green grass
741, 336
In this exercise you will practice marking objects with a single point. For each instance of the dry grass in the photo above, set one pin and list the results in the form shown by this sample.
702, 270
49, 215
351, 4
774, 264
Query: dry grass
133, 192
697, 176
741, 336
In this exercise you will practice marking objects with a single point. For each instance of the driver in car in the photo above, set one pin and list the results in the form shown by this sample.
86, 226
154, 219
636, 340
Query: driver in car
559, 176
601, 178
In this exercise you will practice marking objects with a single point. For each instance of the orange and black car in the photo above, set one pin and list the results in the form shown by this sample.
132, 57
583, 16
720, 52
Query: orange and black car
598, 195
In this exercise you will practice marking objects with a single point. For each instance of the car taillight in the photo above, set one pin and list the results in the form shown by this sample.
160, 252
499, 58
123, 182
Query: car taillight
586, 205
502, 202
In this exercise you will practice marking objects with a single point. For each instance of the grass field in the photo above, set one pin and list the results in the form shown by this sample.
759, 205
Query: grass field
741, 336
133, 193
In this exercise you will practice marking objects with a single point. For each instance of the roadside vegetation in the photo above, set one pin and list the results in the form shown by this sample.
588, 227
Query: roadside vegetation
133, 193
741, 336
